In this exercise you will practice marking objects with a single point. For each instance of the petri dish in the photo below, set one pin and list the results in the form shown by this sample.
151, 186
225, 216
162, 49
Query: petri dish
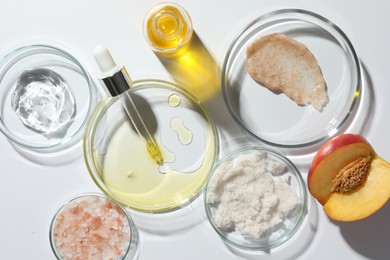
116, 155
269, 220
49, 64
81, 220
275, 119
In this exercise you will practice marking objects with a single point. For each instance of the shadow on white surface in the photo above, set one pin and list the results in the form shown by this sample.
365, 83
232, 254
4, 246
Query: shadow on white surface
369, 237
195, 69
174, 222
363, 116
71, 155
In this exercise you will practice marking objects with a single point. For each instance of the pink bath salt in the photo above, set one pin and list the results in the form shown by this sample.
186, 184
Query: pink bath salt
91, 227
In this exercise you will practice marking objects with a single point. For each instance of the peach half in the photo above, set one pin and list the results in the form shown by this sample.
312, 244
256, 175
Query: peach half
348, 178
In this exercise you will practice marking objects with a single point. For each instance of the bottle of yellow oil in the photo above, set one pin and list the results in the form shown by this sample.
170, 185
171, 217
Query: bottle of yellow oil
168, 28
169, 31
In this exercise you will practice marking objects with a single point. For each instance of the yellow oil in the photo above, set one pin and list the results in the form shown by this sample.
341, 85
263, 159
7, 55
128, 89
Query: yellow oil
134, 178
167, 28
154, 152
184, 134
195, 69
174, 100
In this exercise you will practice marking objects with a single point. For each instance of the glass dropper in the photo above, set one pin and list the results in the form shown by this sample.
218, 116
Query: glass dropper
118, 81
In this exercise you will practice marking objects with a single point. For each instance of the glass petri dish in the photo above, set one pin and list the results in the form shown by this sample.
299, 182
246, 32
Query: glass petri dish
117, 158
275, 119
77, 224
276, 217
44, 61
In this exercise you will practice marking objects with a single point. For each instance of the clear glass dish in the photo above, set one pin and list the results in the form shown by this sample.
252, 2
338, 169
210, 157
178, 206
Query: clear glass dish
44, 58
80, 221
275, 119
167, 28
117, 158
228, 194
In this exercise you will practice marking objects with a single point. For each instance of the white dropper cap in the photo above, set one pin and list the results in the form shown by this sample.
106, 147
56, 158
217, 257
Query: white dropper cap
105, 61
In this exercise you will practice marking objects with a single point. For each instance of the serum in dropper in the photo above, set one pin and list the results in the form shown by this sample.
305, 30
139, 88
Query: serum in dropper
168, 28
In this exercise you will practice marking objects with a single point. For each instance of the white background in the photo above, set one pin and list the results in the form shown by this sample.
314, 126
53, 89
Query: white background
30, 192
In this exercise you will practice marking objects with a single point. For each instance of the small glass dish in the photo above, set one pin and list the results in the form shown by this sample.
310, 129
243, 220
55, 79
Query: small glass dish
256, 198
167, 28
275, 119
93, 226
117, 158
45, 66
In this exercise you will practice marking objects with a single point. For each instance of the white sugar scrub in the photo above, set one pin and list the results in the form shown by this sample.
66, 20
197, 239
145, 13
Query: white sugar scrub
252, 194
92, 227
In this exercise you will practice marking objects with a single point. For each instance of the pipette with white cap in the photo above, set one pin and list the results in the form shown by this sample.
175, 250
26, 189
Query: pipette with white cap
117, 81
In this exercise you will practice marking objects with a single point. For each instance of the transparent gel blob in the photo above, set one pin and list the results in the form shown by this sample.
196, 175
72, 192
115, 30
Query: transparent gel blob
42, 100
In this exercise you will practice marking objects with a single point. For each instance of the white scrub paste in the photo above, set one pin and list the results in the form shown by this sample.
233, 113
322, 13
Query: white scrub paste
252, 194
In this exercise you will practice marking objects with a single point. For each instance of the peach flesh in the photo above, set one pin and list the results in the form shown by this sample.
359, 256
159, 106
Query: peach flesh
356, 204
371, 196
330, 159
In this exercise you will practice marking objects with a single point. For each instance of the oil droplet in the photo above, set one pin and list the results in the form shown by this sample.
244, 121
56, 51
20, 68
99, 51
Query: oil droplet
174, 100
183, 133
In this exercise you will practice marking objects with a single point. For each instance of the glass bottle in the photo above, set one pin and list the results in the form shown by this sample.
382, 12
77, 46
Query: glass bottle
168, 28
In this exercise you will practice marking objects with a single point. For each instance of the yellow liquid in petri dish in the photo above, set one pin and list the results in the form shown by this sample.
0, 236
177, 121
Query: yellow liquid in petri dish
154, 152
167, 28
134, 179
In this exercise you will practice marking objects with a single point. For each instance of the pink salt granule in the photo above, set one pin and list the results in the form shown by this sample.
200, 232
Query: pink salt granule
91, 227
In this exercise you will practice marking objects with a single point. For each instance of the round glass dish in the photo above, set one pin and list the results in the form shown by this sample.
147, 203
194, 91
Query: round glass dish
167, 28
117, 158
275, 119
44, 61
255, 198
93, 224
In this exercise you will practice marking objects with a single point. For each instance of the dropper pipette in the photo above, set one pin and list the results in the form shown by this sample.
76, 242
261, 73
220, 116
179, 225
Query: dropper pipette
118, 81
